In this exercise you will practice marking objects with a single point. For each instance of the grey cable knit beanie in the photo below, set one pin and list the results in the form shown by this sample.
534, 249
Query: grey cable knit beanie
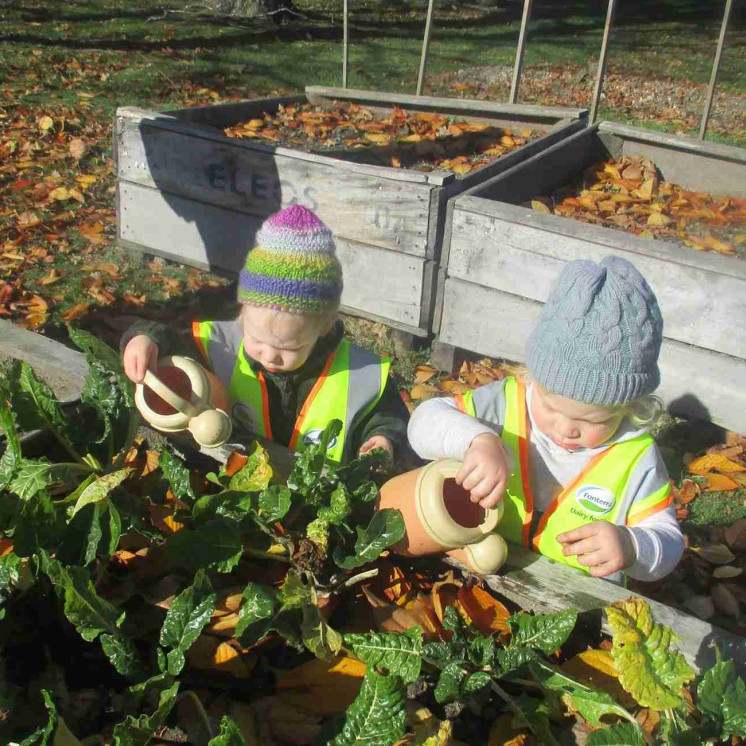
599, 334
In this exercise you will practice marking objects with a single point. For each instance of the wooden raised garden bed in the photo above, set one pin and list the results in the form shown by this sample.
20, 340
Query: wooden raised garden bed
189, 192
500, 260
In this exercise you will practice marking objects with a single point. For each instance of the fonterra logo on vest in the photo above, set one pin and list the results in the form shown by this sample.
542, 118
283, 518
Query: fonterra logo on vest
312, 437
598, 500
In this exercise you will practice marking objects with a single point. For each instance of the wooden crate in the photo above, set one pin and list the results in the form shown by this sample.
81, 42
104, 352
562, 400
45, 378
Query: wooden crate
500, 260
188, 192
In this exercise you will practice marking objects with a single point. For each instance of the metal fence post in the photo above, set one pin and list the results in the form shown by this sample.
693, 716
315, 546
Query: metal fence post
425, 44
519, 51
715, 68
602, 62
345, 44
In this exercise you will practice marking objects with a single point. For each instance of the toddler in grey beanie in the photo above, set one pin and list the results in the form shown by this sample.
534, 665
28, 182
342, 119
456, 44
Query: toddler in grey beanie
599, 334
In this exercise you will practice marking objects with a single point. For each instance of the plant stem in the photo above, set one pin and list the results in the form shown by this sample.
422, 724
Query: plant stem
132, 427
189, 694
267, 555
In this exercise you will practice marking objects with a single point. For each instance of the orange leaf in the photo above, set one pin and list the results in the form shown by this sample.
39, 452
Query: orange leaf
77, 148
485, 612
424, 373
596, 667
462, 168
236, 461
444, 594
687, 492
454, 387
422, 391
721, 483
378, 138
76, 312
6, 546
714, 462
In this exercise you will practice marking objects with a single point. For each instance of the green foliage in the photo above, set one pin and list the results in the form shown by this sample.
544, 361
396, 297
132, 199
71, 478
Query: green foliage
176, 473
624, 734
44, 736
721, 697
385, 528
378, 715
215, 543
229, 734
139, 731
389, 652
189, 613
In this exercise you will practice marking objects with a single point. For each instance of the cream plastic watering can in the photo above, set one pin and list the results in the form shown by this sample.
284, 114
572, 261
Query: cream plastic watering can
198, 404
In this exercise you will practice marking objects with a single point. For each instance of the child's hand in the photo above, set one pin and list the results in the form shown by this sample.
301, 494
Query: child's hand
604, 547
377, 441
484, 471
140, 354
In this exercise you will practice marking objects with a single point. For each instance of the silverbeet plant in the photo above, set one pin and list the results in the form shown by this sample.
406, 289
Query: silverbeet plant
63, 517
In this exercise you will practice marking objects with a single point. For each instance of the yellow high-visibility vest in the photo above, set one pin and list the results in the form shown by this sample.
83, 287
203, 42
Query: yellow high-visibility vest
351, 383
597, 493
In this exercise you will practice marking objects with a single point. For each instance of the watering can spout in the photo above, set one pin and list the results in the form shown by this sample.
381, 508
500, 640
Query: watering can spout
201, 414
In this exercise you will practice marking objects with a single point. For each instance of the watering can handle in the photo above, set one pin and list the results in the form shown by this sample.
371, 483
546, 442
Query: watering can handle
177, 402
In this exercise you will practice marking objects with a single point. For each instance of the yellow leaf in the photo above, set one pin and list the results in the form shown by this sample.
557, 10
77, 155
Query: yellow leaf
321, 687
648, 189
507, 141
255, 124
76, 194
60, 194
45, 123
378, 138
85, 180
721, 483
462, 168
714, 462
211, 653
539, 206
607, 205
658, 219
422, 391
484, 611
424, 373
596, 668
27, 220
713, 243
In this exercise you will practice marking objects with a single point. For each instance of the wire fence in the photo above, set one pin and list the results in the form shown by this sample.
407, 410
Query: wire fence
521, 48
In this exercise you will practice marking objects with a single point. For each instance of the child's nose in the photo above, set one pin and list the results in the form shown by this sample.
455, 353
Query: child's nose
568, 430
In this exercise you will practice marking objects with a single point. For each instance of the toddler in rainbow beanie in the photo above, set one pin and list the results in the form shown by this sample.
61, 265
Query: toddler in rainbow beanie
283, 361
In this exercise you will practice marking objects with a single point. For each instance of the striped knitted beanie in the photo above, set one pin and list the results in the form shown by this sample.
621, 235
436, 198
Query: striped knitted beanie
293, 267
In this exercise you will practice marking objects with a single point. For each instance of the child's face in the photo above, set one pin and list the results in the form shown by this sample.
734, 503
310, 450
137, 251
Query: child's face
573, 424
281, 342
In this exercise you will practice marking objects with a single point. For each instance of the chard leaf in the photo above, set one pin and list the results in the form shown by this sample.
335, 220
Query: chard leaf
297, 591
91, 615
10, 575
44, 736
176, 473
274, 503
115, 530
450, 681
536, 714
37, 406
139, 731
30, 478
440, 654
510, 658
396, 653
592, 704
12, 457
102, 358
98, 491
357, 474
318, 637
385, 528
262, 612
37, 525
228, 504
624, 734
378, 715
475, 683
340, 507
721, 696
189, 613
258, 602
318, 532
308, 476
650, 669
216, 543
229, 735
255, 474
82, 537
545, 632
121, 651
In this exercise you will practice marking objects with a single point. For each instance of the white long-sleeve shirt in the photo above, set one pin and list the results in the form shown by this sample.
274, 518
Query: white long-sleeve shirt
438, 429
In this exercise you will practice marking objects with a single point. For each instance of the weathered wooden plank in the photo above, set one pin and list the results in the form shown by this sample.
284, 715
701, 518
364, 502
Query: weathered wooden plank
225, 115
321, 94
695, 382
381, 212
523, 252
45, 354
710, 149
208, 132
542, 586
386, 283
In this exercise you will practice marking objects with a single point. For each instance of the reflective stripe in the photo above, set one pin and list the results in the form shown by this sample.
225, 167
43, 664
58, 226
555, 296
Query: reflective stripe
201, 334
519, 505
465, 402
658, 501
